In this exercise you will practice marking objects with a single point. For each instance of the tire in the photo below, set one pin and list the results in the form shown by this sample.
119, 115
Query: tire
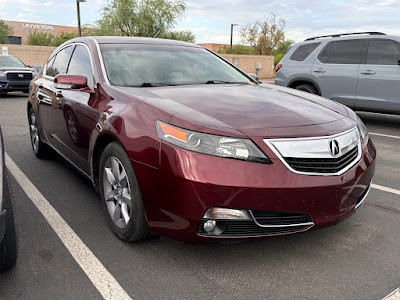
39, 148
3, 94
9, 245
307, 88
72, 127
126, 217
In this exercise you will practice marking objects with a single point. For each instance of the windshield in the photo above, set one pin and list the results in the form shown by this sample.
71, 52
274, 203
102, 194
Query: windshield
147, 65
10, 61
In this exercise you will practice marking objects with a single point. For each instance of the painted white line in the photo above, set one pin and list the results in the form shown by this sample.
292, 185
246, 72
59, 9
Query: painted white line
385, 135
395, 295
104, 282
386, 189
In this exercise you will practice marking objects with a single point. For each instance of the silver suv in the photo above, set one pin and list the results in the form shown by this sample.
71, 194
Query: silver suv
360, 70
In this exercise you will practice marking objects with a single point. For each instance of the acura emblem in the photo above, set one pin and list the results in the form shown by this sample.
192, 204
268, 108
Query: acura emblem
21, 75
334, 148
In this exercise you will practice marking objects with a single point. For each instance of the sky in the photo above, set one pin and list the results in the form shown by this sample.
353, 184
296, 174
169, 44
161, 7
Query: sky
210, 19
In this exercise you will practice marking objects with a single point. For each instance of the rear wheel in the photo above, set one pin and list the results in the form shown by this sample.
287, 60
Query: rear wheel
120, 194
307, 88
39, 148
9, 245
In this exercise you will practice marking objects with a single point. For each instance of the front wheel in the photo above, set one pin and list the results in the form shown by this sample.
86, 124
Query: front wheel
120, 194
39, 148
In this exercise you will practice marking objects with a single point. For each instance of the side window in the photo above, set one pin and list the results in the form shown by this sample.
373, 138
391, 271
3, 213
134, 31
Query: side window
60, 63
383, 52
49, 67
303, 51
80, 64
342, 52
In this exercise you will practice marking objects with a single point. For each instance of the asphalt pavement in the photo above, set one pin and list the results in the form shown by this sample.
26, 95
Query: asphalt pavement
356, 259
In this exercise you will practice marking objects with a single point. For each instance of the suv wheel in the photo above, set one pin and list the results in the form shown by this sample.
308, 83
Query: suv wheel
120, 194
307, 88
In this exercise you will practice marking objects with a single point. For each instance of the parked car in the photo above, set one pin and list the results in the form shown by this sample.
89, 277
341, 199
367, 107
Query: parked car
181, 143
14, 75
360, 70
8, 230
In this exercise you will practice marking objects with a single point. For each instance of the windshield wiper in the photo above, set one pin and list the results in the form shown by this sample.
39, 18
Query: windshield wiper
153, 84
223, 81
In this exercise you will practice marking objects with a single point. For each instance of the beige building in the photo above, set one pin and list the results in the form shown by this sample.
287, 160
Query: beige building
22, 29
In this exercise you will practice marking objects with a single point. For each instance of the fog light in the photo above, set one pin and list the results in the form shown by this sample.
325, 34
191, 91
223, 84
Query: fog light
209, 225
226, 214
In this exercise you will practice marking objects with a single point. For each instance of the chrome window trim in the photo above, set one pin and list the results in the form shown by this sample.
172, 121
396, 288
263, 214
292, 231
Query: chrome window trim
69, 45
103, 68
280, 226
269, 143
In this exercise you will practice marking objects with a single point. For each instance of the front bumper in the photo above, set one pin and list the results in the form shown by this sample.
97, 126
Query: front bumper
189, 183
10, 86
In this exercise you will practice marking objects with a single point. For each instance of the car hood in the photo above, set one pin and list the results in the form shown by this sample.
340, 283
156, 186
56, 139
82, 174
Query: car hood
16, 69
246, 108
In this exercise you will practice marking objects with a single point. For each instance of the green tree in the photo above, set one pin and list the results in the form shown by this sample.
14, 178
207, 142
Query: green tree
62, 37
40, 38
264, 36
237, 49
5, 31
281, 50
147, 18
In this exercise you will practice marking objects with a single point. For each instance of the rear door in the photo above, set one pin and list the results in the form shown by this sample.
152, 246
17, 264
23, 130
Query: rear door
378, 86
336, 70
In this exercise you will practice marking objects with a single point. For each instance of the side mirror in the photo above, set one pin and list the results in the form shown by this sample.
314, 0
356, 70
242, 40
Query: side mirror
254, 76
70, 82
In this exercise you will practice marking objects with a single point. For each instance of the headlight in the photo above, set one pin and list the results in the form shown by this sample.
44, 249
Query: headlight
2, 74
361, 127
222, 146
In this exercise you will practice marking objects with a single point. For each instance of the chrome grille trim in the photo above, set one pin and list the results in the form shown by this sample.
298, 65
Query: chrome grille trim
317, 148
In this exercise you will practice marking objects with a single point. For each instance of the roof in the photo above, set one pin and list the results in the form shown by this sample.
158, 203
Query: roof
137, 40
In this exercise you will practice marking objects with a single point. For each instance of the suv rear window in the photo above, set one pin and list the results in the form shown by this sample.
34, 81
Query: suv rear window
383, 52
303, 51
342, 52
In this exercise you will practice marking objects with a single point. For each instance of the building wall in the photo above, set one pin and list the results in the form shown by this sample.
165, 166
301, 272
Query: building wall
247, 63
213, 47
30, 55
22, 29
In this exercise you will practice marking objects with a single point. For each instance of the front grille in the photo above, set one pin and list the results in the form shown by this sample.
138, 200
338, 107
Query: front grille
322, 165
21, 76
275, 221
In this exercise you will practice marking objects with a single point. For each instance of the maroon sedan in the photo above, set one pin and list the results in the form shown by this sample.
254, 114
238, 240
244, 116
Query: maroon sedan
181, 143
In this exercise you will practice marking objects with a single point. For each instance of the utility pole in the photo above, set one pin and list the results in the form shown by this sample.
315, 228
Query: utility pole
232, 36
79, 16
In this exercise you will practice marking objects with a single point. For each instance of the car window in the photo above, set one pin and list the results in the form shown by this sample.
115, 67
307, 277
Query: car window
80, 64
138, 64
60, 63
49, 65
342, 52
383, 52
303, 51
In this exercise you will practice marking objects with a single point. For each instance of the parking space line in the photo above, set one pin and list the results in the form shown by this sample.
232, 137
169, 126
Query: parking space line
386, 189
385, 135
395, 295
104, 282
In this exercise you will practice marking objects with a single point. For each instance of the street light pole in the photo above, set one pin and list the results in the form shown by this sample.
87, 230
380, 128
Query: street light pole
232, 36
79, 16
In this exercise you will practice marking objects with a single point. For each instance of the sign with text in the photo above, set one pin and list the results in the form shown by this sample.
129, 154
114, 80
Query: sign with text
38, 26
4, 50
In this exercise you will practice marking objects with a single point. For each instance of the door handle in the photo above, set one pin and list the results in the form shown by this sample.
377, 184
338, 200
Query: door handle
319, 70
368, 72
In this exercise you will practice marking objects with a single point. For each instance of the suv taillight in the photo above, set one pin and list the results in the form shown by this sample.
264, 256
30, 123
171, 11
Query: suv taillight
278, 67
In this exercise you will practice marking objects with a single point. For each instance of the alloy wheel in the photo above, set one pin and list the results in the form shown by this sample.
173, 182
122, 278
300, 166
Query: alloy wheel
117, 192
34, 132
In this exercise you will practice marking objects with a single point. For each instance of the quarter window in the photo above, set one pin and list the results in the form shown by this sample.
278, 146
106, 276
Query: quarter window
60, 63
383, 52
81, 64
342, 52
303, 51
